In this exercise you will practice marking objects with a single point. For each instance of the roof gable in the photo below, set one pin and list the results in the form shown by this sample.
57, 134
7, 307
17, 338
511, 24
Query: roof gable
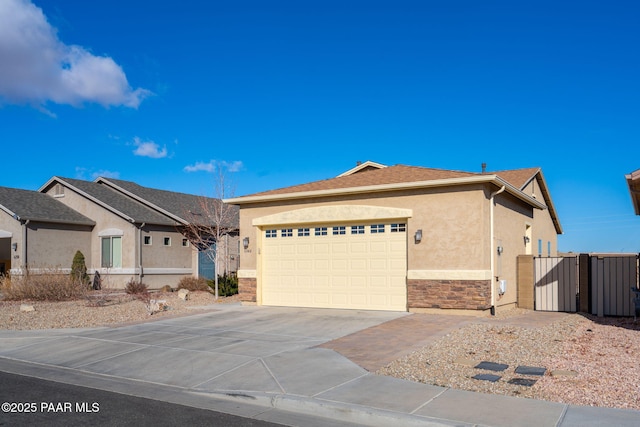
112, 200
181, 207
36, 206
360, 167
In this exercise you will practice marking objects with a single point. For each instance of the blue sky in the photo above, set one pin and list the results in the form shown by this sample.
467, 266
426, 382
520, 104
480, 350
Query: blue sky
286, 92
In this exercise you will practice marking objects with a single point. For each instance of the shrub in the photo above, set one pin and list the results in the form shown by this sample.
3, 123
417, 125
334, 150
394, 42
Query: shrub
79, 268
135, 287
52, 285
227, 285
193, 284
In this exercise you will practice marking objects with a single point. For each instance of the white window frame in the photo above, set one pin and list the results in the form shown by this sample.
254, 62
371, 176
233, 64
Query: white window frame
144, 240
115, 251
377, 228
166, 241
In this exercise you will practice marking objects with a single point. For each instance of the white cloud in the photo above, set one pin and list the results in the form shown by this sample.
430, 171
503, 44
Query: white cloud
37, 67
148, 149
234, 166
211, 166
201, 166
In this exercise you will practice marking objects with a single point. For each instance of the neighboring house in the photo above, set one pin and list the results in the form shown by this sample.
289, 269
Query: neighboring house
633, 181
395, 238
36, 227
127, 231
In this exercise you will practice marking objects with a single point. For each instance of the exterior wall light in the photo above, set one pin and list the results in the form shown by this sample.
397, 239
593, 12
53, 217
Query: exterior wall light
526, 239
245, 242
418, 236
14, 246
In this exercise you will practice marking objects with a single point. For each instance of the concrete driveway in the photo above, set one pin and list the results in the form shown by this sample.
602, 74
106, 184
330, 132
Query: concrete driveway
272, 364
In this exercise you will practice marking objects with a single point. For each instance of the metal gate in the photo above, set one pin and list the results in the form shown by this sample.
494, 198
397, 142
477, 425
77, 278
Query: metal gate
611, 280
556, 283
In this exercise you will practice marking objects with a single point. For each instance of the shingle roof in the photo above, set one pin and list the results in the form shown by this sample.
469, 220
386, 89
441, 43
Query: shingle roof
389, 175
36, 206
180, 205
134, 210
518, 177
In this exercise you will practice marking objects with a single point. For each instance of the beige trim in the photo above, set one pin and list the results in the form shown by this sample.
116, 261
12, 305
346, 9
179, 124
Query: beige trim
247, 274
483, 179
449, 274
361, 166
330, 214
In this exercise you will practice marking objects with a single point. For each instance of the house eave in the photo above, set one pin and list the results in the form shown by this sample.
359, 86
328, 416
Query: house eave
633, 182
483, 179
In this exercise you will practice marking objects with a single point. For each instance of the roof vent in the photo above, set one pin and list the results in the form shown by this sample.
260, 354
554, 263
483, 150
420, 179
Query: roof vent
484, 167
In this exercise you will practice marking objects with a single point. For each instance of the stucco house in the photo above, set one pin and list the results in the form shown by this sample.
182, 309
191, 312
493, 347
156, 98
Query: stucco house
34, 226
124, 230
395, 238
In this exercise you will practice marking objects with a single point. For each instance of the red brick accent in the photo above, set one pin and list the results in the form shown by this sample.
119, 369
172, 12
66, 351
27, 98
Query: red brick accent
247, 289
451, 294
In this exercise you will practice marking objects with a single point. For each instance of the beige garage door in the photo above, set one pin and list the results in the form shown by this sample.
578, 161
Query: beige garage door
356, 266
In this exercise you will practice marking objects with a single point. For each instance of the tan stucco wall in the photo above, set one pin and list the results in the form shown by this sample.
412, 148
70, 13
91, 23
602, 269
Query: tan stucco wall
54, 246
543, 227
453, 224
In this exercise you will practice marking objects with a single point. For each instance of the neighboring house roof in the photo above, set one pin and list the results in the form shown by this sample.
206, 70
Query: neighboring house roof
182, 207
29, 205
401, 177
113, 201
633, 181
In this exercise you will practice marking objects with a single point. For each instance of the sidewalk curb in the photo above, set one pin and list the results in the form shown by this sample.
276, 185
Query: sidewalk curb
338, 411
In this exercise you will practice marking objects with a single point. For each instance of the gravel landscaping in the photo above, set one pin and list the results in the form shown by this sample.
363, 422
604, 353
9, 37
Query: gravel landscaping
586, 360
102, 309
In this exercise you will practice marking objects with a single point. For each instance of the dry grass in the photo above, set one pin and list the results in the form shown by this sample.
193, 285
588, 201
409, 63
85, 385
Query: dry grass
52, 285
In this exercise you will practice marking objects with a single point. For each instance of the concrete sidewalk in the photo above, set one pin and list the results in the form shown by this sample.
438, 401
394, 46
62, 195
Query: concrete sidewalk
268, 363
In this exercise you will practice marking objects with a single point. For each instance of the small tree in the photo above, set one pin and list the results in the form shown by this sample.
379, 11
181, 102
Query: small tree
79, 269
211, 220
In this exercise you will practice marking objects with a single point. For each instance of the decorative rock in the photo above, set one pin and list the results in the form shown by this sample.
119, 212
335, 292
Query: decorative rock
27, 307
563, 373
166, 288
157, 305
466, 362
183, 294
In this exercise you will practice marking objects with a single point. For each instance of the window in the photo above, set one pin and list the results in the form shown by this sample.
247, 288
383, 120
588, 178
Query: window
269, 234
166, 241
286, 232
303, 232
321, 231
341, 229
539, 247
357, 229
147, 240
398, 228
111, 256
185, 242
548, 248
377, 228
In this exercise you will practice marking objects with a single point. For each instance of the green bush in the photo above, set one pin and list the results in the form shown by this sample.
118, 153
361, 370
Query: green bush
193, 284
227, 285
79, 269
135, 287
53, 285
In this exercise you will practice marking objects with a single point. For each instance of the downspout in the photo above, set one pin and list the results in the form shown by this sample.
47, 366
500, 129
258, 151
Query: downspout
24, 246
140, 272
493, 249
